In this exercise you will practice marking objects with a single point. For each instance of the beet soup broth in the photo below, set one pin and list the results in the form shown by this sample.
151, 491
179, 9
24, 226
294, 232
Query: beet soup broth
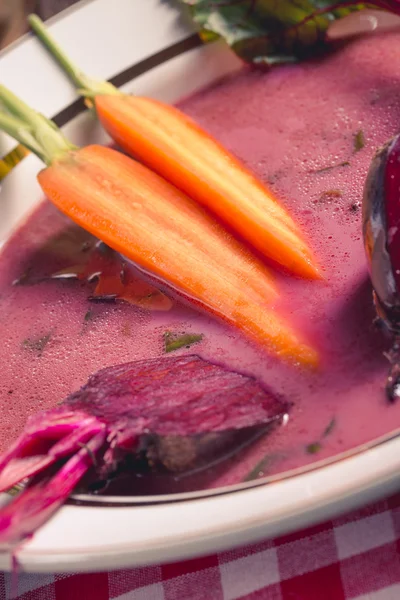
308, 130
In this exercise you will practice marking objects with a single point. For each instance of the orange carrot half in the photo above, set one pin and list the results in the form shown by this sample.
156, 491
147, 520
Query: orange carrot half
171, 144
151, 222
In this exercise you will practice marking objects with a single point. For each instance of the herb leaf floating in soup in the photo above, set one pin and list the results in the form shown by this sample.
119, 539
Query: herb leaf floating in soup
313, 448
345, 163
359, 140
172, 412
174, 341
164, 232
273, 31
37, 344
316, 446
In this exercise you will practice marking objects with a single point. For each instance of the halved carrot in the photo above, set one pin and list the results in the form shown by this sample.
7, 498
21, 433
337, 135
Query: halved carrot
143, 217
165, 214
170, 143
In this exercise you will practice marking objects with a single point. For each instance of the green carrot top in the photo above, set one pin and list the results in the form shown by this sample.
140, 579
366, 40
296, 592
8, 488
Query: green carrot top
32, 129
85, 85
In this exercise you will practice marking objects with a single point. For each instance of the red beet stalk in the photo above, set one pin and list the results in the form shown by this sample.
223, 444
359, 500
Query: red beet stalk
141, 409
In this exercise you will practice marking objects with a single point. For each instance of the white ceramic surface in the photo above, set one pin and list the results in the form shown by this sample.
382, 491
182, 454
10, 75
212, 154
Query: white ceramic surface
107, 41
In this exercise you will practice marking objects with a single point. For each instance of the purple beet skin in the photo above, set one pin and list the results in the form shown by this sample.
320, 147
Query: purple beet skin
173, 413
381, 229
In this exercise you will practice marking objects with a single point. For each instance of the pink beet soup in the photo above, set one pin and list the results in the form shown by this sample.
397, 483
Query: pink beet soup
309, 131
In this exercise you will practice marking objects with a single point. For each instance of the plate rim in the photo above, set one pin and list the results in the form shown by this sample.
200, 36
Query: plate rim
39, 555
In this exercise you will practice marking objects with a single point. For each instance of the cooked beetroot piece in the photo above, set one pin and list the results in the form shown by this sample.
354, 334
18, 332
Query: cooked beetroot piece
176, 414
381, 220
182, 395
381, 229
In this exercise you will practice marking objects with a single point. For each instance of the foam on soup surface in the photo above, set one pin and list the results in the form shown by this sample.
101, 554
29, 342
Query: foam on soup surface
309, 131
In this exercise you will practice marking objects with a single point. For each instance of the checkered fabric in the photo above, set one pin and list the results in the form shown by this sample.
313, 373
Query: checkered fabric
354, 557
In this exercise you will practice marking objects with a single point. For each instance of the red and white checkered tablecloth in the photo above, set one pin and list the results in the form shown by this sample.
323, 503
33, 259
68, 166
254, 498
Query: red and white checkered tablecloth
354, 557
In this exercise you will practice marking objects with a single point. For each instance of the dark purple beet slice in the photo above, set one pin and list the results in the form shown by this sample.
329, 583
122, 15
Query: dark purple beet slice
392, 193
173, 414
381, 230
183, 395
377, 205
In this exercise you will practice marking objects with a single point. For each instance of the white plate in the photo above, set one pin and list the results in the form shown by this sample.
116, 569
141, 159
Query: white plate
106, 42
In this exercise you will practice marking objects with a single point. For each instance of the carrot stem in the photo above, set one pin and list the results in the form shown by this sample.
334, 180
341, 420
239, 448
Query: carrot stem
87, 86
18, 130
31, 129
